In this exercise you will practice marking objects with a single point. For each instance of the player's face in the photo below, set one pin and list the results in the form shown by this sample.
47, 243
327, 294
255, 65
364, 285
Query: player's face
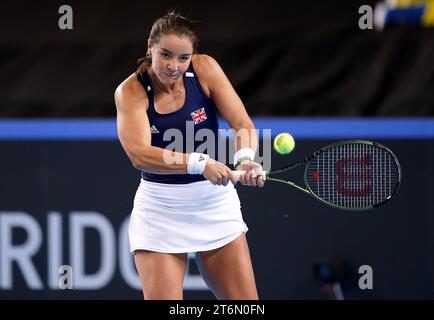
171, 57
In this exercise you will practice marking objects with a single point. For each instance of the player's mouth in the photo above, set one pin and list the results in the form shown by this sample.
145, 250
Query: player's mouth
172, 76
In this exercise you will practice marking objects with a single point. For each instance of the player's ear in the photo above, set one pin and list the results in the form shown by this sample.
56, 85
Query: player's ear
149, 44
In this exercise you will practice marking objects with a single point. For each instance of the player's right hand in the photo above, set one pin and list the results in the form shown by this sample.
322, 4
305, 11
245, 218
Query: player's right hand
253, 174
218, 173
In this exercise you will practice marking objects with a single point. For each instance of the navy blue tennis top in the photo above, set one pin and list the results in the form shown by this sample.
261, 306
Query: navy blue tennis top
198, 112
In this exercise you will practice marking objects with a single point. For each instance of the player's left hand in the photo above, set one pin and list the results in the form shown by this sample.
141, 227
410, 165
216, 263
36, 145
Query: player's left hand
253, 175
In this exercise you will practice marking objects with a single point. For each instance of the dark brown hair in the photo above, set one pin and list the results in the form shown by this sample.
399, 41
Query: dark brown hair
171, 23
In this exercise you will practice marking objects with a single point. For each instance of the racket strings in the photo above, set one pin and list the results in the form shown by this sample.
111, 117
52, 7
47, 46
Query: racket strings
355, 175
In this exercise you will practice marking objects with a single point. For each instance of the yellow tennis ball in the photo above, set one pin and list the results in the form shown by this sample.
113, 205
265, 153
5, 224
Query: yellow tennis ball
284, 143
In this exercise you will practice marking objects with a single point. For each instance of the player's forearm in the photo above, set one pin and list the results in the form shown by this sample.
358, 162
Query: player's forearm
158, 160
246, 136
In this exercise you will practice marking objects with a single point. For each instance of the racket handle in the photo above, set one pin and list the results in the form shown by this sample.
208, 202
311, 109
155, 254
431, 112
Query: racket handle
239, 173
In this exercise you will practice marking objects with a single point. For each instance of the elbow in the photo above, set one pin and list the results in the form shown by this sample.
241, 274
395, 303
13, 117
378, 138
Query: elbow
137, 163
140, 160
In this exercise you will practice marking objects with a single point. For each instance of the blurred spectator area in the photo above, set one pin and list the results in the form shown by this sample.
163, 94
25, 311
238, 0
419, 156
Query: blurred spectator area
295, 59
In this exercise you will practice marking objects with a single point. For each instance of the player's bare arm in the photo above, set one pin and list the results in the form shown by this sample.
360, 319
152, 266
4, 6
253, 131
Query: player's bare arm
134, 130
218, 87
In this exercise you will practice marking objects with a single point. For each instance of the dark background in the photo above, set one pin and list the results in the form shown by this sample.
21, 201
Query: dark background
293, 58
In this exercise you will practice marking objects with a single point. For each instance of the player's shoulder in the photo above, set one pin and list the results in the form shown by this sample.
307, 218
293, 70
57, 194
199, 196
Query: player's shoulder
205, 65
203, 59
130, 85
130, 89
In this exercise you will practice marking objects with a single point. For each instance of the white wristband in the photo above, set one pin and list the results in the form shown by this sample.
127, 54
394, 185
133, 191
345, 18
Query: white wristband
244, 153
196, 163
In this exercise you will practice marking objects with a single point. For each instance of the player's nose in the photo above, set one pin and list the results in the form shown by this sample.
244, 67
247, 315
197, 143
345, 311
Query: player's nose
172, 66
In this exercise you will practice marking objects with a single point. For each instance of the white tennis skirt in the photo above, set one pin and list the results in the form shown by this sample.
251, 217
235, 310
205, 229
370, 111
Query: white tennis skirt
176, 218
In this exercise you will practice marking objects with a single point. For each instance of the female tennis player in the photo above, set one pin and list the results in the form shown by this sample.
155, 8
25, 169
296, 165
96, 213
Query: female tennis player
189, 205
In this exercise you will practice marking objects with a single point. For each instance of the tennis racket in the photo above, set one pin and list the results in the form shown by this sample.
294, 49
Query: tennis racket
353, 175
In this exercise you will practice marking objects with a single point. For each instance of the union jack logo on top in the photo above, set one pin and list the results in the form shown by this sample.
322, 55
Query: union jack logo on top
199, 115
